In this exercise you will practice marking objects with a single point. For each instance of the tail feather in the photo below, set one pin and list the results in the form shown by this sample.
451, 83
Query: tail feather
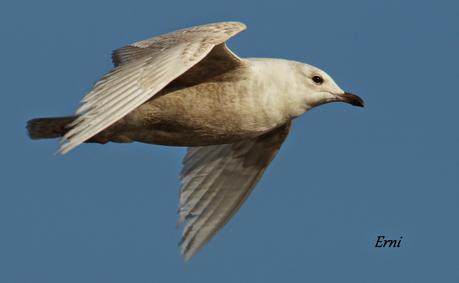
48, 128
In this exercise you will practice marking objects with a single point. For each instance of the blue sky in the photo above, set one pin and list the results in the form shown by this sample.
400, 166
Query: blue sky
344, 176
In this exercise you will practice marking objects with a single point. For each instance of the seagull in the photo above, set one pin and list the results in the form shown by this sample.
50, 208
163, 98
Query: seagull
187, 88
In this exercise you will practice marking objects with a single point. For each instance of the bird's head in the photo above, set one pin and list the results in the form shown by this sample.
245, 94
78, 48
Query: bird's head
320, 88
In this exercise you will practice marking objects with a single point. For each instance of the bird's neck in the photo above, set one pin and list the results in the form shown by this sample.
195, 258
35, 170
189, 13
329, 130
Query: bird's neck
281, 92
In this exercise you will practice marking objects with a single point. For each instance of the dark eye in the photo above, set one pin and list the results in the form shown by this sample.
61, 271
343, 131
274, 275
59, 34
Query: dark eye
318, 80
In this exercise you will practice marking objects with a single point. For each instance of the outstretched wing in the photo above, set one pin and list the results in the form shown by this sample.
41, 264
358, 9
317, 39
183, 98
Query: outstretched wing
215, 182
142, 70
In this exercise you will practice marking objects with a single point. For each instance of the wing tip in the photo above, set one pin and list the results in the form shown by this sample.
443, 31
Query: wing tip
65, 147
242, 25
186, 251
186, 257
235, 23
238, 26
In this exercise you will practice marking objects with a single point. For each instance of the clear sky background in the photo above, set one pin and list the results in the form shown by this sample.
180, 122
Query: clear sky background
344, 176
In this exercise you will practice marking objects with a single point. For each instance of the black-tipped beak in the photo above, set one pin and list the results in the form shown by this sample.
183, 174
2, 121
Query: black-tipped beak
351, 99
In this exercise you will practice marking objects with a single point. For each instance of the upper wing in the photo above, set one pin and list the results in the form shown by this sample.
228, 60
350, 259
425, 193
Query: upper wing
215, 182
156, 44
141, 72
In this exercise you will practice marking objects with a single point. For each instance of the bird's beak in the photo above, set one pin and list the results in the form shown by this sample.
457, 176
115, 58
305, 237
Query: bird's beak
351, 99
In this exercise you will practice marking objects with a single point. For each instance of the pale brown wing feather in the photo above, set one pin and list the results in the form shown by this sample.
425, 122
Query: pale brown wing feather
216, 180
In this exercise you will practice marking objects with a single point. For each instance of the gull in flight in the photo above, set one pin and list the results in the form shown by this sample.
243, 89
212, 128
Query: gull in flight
187, 88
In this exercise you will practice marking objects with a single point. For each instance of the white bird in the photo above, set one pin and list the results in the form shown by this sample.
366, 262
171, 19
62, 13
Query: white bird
186, 88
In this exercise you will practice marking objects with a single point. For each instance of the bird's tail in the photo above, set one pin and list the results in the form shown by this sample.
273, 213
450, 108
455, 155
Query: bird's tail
48, 128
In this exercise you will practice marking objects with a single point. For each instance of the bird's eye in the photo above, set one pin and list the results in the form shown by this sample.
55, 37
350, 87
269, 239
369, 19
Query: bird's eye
318, 80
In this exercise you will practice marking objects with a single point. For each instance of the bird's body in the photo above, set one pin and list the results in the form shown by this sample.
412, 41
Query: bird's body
233, 106
186, 88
